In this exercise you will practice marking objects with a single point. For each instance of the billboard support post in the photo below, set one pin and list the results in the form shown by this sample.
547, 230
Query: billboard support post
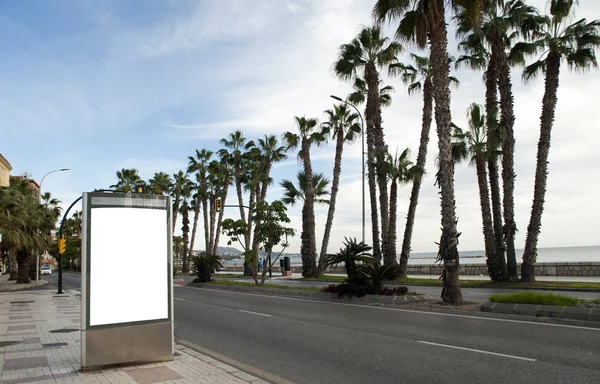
126, 320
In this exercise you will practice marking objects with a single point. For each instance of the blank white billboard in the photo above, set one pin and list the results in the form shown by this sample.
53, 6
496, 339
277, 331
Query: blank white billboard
128, 265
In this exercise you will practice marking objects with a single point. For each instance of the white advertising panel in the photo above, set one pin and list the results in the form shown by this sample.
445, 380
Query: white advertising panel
129, 266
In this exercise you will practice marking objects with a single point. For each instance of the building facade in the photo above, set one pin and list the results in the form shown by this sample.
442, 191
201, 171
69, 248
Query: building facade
5, 169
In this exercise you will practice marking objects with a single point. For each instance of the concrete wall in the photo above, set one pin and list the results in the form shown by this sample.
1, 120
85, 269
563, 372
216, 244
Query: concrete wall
541, 269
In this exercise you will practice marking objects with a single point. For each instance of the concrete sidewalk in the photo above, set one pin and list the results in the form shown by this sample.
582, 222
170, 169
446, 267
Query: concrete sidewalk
40, 342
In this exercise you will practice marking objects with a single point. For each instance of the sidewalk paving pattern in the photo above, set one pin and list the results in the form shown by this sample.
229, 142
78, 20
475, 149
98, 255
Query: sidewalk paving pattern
40, 343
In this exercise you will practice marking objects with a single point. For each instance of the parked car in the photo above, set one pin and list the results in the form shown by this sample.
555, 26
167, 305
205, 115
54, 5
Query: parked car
46, 270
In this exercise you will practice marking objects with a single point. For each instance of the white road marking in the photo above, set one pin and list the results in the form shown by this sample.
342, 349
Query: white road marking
177, 298
476, 350
255, 313
401, 310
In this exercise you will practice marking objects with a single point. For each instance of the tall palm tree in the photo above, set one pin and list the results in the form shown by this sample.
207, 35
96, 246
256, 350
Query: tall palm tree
127, 180
180, 180
360, 91
161, 183
198, 165
272, 153
297, 192
401, 171
251, 177
479, 57
225, 179
418, 77
419, 21
560, 42
474, 142
343, 127
235, 142
306, 137
366, 53
495, 24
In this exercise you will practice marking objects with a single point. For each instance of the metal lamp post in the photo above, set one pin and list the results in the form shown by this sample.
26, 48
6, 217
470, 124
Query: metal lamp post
362, 125
37, 268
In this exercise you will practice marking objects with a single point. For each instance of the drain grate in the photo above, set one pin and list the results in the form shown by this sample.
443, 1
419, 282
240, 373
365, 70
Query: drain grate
23, 302
9, 343
54, 345
64, 330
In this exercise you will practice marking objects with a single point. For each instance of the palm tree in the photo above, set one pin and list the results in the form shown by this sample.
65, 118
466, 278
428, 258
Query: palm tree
219, 178
198, 165
297, 192
343, 127
495, 24
367, 52
161, 183
401, 171
127, 180
251, 178
236, 143
305, 138
418, 78
559, 41
419, 21
474, 144
180, 180
272, 152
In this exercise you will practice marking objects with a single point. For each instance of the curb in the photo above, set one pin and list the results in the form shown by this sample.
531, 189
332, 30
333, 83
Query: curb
318, 295
571, 313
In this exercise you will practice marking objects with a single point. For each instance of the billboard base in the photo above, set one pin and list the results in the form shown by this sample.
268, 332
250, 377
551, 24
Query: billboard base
135, 344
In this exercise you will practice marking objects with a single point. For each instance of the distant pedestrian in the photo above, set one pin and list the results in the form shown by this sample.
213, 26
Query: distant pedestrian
260, 264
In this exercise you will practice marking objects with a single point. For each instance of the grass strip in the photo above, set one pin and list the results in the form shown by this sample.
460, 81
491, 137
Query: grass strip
252, 284
478, 283
538, 298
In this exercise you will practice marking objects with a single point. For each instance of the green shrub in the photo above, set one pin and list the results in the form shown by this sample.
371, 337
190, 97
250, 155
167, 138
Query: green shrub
204, 266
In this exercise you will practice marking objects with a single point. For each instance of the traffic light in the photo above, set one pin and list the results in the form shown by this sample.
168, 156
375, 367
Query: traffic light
139, 189
62, 245
218, 206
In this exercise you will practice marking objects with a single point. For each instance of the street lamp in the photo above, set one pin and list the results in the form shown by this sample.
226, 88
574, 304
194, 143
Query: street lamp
362, 125
37, 268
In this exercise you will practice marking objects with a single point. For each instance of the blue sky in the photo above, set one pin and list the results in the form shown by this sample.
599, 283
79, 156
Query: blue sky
97, 86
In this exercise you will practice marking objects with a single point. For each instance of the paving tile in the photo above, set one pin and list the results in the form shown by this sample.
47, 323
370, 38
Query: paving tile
26, 362
153, 375
21, 327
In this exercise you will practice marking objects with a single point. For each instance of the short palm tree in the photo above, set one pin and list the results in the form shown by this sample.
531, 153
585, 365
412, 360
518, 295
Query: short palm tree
306, 137
418, 77
401, 171
161, 183
342, 126
419, 21
560, 42
205, 265
352, 254
297, 192
473, 143
364, 55
198, 165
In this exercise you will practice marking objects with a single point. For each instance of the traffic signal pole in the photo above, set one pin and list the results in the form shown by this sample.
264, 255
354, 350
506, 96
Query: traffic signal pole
60, 237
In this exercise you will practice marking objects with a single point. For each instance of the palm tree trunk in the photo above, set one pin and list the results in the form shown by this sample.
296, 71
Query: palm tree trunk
176, 208
372, 79
205, 214
12, 264
194, 226
308, 247
213, 213
248, 239
23, 263
240, 196
493, 137
335, 182
220, 219
416, 187
370, 111
265, 183
393, 220
541, 169
507, 122
184, 234
449, 239
486, 217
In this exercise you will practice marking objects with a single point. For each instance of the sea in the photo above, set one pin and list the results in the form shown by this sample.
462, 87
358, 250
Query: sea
545, 255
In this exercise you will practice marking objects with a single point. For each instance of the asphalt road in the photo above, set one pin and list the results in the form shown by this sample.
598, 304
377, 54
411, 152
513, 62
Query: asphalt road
306, 341
475, 295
